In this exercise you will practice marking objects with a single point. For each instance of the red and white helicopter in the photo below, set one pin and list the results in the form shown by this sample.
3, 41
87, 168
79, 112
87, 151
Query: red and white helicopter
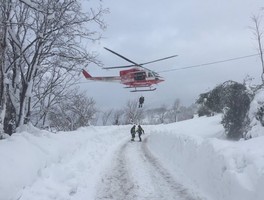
135, 77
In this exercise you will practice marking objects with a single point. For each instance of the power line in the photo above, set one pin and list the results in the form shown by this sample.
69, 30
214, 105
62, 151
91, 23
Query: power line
210, 63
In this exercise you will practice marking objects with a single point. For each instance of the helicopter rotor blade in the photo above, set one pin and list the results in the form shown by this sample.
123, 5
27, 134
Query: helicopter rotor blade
134, 64
116, 67
158, 60
122, 57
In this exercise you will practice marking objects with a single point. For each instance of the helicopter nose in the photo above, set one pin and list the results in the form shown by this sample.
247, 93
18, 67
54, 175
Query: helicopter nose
159, 79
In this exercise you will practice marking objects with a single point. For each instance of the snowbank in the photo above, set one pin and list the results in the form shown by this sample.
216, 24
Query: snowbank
40, 157
223, 170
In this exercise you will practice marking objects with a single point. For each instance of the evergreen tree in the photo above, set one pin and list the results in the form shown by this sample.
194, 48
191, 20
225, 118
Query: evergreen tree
233, 100
236, 101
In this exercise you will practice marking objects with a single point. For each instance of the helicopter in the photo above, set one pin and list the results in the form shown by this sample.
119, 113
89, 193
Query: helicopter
137, 77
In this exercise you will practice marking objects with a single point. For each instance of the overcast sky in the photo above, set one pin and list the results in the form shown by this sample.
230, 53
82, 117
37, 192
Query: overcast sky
199, 31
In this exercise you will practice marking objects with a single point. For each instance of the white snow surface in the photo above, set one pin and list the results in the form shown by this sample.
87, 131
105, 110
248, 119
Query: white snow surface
256, 129
190, 157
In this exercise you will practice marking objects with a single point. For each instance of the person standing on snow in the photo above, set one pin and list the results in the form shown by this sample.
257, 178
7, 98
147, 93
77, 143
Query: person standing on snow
133, 132
140, 131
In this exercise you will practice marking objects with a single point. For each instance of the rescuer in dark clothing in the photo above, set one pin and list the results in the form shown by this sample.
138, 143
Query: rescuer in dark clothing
141, 101
140, 132
133, 132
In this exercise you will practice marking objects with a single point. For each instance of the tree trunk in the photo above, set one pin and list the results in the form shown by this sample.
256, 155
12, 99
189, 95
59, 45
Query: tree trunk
259, 34
22, 102
10, 117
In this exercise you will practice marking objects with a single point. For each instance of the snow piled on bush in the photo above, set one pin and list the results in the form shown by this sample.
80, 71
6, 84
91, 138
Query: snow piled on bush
255, 127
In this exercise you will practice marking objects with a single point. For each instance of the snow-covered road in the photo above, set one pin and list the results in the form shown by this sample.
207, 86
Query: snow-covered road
186, 160
134, 174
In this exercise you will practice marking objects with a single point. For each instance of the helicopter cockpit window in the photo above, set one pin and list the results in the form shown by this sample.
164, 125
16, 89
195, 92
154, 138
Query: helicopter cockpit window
150, 74
140, 76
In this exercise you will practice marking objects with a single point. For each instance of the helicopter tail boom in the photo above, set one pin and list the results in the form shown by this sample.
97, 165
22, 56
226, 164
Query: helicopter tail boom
102, 78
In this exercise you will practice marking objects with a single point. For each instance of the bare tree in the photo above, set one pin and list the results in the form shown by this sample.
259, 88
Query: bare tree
117, 117
74, 112
6, 116
258, 34
175, 110
40, 38
132, 113
162, 113
151, 116
105, 116
50, 89
1, 69
1, 83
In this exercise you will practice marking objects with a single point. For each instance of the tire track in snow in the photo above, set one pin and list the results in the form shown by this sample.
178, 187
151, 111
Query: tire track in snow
135, 174
117, 184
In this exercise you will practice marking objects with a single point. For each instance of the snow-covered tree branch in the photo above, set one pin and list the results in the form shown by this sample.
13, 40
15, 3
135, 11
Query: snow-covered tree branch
45, 45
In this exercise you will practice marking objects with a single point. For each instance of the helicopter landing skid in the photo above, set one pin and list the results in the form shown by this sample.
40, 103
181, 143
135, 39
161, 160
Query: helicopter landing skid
145, 90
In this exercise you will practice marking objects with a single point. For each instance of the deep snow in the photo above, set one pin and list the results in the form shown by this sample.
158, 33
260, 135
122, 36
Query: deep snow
40, 165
